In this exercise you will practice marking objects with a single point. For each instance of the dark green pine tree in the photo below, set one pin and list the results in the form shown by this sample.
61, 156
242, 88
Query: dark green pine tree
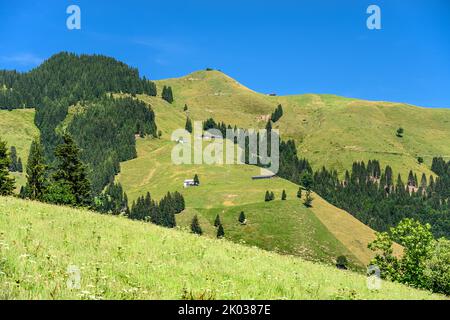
217, 221
299, 193
277, 114
308, 199
195, 226
220, 232
196, 180
242, 217
269, 126
13, 163
19, 165
267, 196
6, 182
272, 196
307, 180
167, 94
283, 195
411, 181
36, 170
164, 93
188, 125
185, 107
72, 172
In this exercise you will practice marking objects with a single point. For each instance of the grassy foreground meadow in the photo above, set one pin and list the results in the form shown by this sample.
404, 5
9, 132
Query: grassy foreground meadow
123, 259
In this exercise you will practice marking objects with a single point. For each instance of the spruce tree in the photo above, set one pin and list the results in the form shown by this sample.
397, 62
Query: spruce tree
308, 199
220, 232
217, 221
307, 180
188, 125
19, 165
299, 193
36, 168
6, 182
72, 172
13, 159
267, 196
242, 218
269, 126
283, 195
272, 196
196, 180
167, 94
195, 226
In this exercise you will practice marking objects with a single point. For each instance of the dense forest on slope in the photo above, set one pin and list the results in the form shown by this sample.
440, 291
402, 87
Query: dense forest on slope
72, 78
377, 198
105, 129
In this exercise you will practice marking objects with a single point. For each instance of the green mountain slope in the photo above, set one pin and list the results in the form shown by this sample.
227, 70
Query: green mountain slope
321, 233
122, 259
17, 128
329, 130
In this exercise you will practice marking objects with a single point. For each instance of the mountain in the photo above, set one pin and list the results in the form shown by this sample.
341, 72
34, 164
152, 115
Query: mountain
329, 130
321, 233
388, 149
44, 248
124, 129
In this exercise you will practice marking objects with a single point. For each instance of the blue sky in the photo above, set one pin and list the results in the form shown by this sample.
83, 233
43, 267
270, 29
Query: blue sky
287, 47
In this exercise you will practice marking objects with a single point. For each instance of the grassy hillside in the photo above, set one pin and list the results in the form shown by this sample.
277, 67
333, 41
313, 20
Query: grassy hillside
329, 130
122, 259
17, 129
285, 226
320, 233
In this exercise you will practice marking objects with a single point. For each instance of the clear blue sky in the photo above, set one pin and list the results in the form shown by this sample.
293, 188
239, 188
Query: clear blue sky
287, 47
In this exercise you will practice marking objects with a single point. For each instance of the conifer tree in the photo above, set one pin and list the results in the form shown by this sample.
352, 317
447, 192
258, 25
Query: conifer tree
217, 221
283, 195
299, 193
220, 232
6, 182
242, 218
195, 226
307, 180
308, 199
72, 172
411, 181
188, 125
19, 165
269, 126
267, 196
13, 159
423, 181
36, 170
167, 94
196, 180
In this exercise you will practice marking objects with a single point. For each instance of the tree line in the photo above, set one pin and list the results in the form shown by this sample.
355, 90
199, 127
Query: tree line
381, 200
68, 184
70, 77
